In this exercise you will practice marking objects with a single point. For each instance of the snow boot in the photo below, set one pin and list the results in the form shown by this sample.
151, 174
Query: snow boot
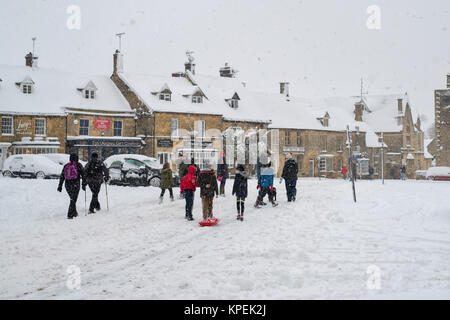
242, 218
274, 204
172, 198
238, 217
160, 199
91, 211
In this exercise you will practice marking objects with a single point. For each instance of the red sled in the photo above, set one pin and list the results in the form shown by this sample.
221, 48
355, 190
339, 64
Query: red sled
208, 222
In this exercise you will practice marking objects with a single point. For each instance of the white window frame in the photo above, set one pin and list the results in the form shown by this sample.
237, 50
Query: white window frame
27, 88
164, 156
174, 133
165, 96
12, 126
36, 127
234, 103
89, 94
114, 128
197, 99
88, 127
322, 165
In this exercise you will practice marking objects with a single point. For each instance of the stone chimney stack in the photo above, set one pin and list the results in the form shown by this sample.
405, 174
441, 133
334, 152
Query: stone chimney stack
284, 88
117, 62
227, 71
190, 65
359, 108
30, 60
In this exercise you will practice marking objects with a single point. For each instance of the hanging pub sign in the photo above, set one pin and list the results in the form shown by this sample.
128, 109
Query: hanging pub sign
102, 124
165, 143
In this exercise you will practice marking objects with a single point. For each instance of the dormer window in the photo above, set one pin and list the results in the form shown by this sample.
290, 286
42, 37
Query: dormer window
26, 86
89, 90
234, 101
197, 99
89, 94
165, 96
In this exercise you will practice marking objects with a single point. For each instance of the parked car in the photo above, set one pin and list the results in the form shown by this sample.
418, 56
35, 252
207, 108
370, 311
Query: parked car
438, 173
31, 166
60, 158
127, 170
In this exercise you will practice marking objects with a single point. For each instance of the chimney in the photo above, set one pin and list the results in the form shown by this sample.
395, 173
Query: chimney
29, 60
118, 62
448, 80
284, 88
400, 105
190, 65
359, 107
227, 71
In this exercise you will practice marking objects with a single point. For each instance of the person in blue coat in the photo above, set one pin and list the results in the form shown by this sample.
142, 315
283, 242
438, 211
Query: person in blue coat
265, 183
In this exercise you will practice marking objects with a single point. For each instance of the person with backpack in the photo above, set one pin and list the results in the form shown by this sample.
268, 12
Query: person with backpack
96, 172
222, 172
207, 182
240, 189
290, 176
166, 182
187, 187
71, 175
265, 183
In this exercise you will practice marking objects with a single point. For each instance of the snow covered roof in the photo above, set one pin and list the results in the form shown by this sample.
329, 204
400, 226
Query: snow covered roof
55, 90
383, 109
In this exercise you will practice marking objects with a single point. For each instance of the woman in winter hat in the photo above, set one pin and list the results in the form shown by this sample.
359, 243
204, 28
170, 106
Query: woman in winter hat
207, 181
166, 181
240, 189
71, 174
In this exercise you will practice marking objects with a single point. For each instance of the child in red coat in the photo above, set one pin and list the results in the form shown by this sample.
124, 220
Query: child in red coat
187, 187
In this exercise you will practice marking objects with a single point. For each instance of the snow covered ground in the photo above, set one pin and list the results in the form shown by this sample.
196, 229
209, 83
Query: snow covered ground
317, 248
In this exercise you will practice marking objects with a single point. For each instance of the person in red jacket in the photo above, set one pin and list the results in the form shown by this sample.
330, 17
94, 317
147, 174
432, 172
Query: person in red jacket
344, 171
187, 187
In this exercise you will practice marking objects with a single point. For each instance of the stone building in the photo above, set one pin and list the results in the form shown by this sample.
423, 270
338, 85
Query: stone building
50, 111
441, 143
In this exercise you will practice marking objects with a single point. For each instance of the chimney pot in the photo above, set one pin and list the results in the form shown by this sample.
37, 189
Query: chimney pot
29, 60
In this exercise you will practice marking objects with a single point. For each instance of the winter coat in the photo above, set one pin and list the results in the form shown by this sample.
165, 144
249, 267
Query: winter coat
189, 181
344, 170
207, 177
183, 170
95, 171
222, 169
240, 187
166, 179
290, 169
80, 176
265, 179
403, 170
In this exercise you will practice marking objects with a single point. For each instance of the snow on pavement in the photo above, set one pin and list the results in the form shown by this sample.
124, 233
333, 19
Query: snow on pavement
317, 248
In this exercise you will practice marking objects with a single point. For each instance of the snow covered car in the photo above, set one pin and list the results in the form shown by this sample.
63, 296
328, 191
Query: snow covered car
31, 166
61, 158
438, 173
127, 170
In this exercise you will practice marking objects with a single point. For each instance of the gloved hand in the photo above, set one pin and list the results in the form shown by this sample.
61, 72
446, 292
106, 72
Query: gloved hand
59, 189
258, 186
83, 187
281, 180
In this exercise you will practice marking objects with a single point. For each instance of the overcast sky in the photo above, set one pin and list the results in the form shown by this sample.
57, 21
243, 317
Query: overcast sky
323, 47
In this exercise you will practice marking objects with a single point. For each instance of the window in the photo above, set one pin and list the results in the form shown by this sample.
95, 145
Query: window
339, 144
26, 88
165, 96
84, 127
234, 103
118, 128
287, 138
299, 139
7, 126
299, 161
39, 128
197, 99
329, 163
164, 157
322, 164
339, 165
201, 128
174, 127
89, 94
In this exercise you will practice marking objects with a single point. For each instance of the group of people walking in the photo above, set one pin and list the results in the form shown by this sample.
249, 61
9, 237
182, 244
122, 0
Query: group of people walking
211, 185
93, 175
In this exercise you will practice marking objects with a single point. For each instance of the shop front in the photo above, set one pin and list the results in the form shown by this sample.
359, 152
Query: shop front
103, 146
